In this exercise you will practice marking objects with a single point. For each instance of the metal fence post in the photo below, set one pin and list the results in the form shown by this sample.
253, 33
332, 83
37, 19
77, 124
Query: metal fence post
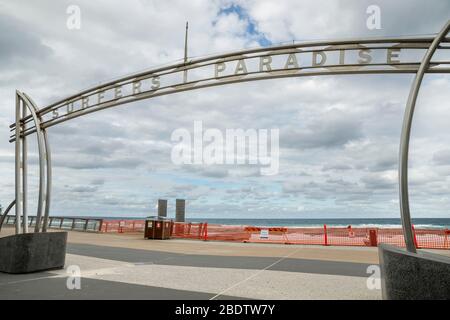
200, 230
205, 235
414, 237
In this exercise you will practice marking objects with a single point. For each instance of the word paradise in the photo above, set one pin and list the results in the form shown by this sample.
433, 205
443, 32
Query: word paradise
275, 62
293, 61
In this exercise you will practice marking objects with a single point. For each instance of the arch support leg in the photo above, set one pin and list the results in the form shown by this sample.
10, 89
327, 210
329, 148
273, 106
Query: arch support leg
21, 166
48, 192
405, 137
24, 174
18, 165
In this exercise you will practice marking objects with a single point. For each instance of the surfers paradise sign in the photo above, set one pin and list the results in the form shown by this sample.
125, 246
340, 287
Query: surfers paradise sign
386, 55
284, 62
356, 56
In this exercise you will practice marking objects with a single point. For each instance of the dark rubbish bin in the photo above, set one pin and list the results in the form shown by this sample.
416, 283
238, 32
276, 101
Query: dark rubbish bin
158, 229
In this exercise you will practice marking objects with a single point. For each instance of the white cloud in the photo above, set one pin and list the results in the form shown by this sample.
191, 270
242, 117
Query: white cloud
339, 135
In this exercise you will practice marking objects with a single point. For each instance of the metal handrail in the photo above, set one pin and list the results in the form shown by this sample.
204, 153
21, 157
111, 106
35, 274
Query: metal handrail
70, 225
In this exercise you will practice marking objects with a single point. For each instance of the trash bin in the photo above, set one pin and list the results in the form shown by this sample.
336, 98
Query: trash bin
158, 229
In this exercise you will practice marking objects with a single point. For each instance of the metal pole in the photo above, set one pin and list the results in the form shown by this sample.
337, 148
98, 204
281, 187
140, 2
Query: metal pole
18, 165
24, 174
49, 180
405, 136
185, 52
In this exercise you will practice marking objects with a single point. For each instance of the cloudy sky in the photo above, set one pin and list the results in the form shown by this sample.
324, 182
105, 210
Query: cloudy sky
339, 135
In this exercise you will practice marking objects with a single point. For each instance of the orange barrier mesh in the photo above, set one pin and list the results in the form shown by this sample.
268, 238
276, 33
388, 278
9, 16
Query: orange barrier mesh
122, 226
391, 236
438, 239
188, 230
273, 235
425, 238
226, 233
348, 237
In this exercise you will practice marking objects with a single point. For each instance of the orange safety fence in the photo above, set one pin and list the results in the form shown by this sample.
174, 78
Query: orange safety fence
226, 233
122, 226
332, 236
437, 239
392, 236
188, 230
270, 234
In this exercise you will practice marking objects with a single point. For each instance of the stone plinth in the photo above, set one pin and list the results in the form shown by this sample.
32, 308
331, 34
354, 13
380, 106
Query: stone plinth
31, 252
413, 276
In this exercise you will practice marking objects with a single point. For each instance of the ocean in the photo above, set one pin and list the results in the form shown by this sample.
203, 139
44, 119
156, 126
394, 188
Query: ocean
420, 223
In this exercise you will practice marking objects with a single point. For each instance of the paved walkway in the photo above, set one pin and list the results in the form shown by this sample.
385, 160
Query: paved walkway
118, 266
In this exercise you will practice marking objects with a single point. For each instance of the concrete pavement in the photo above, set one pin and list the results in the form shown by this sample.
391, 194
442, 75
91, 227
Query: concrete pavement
129, 267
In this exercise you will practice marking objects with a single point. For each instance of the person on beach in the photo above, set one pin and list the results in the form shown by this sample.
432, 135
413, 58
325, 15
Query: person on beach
351, 234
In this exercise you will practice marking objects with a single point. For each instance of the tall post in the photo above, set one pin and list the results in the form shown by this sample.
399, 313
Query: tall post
18, 166
162, 208
24, 174
185, 52
180, 205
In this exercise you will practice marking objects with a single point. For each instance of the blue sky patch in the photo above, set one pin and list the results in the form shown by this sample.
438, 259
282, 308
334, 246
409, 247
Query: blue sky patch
251, 31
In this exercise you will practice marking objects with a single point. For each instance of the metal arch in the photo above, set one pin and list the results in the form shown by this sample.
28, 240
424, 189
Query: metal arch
48, 160
225, 56
405, 137
2, 218
226, 80
49, 181
419, 69
33, 110
209, 61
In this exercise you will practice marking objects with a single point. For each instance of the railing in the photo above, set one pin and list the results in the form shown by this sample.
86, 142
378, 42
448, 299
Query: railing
65, 223
326, 236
